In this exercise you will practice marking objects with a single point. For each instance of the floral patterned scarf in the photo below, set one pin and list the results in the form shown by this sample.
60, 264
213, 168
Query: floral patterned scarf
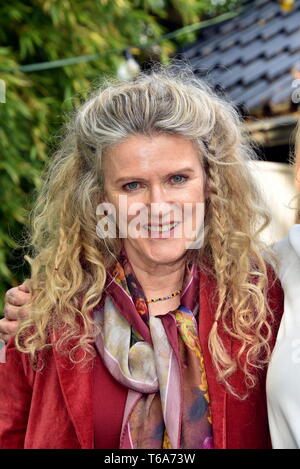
159, 360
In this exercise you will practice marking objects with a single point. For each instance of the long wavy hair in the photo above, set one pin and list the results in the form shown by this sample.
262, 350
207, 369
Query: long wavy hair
69, 261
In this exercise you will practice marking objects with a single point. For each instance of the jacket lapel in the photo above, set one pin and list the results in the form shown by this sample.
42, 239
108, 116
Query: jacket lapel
217, 393
76, 383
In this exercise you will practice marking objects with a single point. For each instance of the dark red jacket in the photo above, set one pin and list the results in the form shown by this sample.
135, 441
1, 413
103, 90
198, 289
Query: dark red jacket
53, 408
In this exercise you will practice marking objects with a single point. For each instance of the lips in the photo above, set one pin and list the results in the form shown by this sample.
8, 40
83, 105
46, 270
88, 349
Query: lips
151, 223
161, 228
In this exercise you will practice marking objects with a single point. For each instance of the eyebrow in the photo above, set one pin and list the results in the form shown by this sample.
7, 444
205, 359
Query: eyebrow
133, 178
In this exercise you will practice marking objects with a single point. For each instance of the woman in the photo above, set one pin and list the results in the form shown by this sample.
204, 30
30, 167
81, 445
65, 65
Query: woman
283, 383
150, 335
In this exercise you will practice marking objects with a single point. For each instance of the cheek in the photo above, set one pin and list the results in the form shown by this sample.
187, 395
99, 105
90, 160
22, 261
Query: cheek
113, 197
194, 193
110, 195
125, 209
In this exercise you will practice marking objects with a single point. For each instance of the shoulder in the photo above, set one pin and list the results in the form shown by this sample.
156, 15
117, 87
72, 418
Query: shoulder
16, 366
18, 363
275, 296
288, 252
294, 239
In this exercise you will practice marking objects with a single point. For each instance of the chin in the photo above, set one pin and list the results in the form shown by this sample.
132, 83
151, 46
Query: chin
163, 251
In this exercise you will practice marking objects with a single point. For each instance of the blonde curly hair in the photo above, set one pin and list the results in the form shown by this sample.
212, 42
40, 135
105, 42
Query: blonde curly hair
69, 261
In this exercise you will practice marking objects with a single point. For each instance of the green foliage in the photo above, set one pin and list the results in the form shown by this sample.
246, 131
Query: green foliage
37, 103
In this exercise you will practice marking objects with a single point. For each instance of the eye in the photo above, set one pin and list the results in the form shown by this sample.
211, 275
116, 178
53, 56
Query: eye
131, 186
178, 179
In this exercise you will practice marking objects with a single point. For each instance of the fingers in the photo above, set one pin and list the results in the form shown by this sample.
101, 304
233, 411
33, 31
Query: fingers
23, 287
7, 328
5, 337
16, 300
13, 313
17, 297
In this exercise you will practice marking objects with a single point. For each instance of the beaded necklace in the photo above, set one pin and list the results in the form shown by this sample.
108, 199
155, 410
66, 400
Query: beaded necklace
168, 297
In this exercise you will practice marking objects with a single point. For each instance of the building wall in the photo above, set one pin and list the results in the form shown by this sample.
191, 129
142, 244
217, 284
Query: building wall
277, 183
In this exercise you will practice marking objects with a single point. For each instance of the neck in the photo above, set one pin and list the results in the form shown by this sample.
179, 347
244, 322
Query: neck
156, 279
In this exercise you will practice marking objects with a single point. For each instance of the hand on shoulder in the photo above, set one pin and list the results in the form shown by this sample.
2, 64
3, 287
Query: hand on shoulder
15, 309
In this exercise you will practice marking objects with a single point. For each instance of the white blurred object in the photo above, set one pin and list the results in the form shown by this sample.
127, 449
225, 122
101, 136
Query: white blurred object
277, 182
129, 69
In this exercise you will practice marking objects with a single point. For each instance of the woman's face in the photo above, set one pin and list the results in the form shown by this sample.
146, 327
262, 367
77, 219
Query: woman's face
156, 185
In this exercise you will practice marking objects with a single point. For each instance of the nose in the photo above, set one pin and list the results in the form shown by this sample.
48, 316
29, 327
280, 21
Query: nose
158, 194
160, 203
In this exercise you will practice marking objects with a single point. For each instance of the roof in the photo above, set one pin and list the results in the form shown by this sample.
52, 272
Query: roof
251, 56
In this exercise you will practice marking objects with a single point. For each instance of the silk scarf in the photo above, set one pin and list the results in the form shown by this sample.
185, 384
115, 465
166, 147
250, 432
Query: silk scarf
159, 360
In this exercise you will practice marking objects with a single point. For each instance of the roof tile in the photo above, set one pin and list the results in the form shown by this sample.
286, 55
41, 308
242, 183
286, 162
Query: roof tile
252, 54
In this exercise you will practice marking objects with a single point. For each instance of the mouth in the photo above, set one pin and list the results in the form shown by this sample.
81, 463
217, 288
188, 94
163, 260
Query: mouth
158, 229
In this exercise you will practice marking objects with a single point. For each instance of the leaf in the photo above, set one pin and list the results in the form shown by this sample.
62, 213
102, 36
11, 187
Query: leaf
10, 171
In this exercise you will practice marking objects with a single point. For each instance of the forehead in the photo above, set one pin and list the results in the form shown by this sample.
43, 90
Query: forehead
149, 154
